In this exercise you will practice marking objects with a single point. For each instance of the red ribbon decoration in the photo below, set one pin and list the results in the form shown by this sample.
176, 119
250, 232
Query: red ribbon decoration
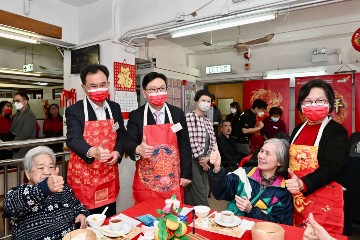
67, 97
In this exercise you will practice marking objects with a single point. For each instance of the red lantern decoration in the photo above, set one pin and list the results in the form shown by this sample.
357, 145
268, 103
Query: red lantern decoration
355, 40
246, 55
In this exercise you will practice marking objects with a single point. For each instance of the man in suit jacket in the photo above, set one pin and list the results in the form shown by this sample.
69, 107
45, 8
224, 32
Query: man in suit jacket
159, 142
96, 136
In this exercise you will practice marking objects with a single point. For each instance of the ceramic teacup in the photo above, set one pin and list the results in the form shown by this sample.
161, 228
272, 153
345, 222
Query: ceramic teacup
227, 216
116, 224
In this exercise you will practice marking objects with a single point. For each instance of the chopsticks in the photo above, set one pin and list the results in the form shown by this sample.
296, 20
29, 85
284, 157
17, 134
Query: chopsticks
193, 220
111, 232
207, 217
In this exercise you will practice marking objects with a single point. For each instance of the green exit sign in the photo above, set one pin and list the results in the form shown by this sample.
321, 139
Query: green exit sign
218, 69
28, 67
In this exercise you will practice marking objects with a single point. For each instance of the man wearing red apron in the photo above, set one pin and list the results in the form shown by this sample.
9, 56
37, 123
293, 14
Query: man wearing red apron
159, 142
95, 136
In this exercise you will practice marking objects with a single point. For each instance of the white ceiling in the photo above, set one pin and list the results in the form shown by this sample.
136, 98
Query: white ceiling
222, 39
78, 3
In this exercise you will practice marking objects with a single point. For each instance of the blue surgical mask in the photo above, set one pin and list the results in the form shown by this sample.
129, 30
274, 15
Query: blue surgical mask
274, 119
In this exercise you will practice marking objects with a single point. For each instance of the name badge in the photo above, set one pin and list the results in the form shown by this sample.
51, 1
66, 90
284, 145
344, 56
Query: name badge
176, 127
115, 127
275, 127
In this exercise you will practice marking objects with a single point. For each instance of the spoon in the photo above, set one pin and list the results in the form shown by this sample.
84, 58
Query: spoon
103, 212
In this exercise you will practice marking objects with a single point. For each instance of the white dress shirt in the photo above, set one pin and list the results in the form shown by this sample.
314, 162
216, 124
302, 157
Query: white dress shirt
99, 111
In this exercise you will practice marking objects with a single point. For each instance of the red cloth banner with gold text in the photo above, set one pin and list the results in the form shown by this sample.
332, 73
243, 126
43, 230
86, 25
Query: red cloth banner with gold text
357, 102
125, 87
341, 84
276, 92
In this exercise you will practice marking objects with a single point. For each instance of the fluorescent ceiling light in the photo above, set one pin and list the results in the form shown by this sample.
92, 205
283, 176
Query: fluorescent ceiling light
15, 71
293, 73
41, 83
18, 38
217, 24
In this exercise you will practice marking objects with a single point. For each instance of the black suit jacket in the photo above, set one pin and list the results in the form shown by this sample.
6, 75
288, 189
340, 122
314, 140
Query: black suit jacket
75, 122
135, 134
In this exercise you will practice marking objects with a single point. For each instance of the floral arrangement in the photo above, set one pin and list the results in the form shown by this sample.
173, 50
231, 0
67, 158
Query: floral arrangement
170, 226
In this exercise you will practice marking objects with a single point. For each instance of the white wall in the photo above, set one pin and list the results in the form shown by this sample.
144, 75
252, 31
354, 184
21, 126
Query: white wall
95, 21
49, 11
16, 60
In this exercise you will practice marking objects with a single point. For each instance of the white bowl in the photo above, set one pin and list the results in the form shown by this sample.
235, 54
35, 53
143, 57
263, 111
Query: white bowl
89, 234
96, 220
201, 211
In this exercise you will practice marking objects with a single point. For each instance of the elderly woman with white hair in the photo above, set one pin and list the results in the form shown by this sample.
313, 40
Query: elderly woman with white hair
44, 208
256, 192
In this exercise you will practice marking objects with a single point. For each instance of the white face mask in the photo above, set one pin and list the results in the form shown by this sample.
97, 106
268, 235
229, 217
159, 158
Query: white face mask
260, 114
18, 105
274, 119
233, 110
204, 106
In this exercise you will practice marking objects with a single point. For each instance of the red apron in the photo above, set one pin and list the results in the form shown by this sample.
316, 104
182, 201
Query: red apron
95, 184
327, 203
159, 175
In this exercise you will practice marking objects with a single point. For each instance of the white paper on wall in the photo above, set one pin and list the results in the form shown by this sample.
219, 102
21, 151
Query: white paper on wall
127, 100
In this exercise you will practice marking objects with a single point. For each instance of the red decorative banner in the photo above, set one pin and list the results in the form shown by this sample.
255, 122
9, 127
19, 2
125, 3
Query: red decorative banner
341, 84
276, 92
357, 102
124, 77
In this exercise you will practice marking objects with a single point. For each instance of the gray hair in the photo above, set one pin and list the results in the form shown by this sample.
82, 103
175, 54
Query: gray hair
34, 152
282, 154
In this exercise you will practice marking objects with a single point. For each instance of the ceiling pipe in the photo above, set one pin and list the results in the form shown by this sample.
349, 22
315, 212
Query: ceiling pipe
164, 27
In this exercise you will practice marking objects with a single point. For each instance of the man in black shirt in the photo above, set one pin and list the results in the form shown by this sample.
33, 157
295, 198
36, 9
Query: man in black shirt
230, 156
248, 125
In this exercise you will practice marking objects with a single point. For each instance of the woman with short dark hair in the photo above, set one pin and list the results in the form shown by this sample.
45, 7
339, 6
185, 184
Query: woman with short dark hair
202, 141
273, 124
318, 158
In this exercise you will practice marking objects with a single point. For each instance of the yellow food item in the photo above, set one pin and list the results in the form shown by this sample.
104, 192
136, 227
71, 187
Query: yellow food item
172, 225
156, 235
183, 230
94, 219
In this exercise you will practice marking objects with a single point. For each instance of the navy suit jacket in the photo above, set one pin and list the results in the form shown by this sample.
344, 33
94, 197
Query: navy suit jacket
75, 122
135, 134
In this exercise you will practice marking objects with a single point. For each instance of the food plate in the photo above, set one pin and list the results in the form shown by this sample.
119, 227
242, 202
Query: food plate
125, 230
234, 223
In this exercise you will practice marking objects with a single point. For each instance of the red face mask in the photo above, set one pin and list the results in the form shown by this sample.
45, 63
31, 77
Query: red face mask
98, 94
8, 110
315, 113
157, 99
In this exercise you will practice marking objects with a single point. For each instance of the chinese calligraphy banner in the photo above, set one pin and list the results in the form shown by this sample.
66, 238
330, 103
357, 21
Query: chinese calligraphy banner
276, 92
341, 84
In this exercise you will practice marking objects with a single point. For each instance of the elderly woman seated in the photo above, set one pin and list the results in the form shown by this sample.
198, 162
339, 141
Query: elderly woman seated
256, 192
44, 208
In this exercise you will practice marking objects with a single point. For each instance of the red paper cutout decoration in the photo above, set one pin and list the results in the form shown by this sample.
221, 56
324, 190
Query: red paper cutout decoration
124, 77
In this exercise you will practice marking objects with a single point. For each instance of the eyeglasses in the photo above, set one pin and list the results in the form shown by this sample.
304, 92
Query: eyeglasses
318, 102
94, 86
155, 90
